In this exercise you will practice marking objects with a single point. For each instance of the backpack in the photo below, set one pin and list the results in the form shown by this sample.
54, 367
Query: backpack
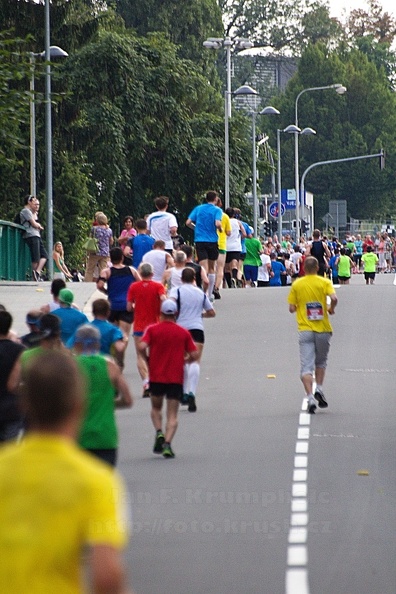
17, 219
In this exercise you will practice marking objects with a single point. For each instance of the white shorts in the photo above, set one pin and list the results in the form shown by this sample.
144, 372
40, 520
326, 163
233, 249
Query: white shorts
314, 349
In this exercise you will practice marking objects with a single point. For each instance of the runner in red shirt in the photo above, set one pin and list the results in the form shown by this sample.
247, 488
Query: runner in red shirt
171, 346
144, 299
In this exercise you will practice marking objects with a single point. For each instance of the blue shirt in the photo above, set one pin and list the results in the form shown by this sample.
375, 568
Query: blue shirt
204, 217
108, 335
141, 244
243, 239
277, 268
70, 319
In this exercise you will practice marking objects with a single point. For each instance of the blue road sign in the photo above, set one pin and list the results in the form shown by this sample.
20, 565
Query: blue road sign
274, 209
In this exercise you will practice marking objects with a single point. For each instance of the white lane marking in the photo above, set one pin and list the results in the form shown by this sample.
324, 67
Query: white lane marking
300, 475
299, 505
297, 555
296, 579
300, 461
303, 433
302, 447
299, 490
298, 535
305, 418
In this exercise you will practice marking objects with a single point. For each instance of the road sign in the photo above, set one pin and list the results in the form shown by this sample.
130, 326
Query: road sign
274, 209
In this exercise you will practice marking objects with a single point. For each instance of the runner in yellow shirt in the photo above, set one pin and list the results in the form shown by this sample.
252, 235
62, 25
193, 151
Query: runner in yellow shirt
222, 243
308, 299
55, 500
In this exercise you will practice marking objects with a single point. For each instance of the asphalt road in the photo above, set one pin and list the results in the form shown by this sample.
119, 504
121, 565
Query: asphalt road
262, 498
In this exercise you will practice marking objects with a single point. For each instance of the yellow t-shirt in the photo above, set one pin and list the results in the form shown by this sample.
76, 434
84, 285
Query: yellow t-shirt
54, 499
226, 227
308, 294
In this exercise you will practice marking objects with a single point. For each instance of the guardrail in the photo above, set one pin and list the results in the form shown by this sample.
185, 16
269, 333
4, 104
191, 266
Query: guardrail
15, 261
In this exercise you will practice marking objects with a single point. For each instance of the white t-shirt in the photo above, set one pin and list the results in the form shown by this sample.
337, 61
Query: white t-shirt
234, 243
159, 225
157, 258
263, 274
192, 302
296, 258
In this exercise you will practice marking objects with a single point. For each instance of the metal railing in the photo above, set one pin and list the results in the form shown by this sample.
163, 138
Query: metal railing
15, 261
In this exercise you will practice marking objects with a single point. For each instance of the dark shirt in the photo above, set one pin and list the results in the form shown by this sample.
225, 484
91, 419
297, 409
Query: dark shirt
9, 353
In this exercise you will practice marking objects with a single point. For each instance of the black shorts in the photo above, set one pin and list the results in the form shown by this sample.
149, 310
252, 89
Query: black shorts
207, 250
170, 391
198, 336
230, 256
121, 316
37, 249
369, 275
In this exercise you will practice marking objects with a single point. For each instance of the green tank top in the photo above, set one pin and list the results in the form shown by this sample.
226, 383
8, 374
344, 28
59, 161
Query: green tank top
98, 430
56, 267
344, 266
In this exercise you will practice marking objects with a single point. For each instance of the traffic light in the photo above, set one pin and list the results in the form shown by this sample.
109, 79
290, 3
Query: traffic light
274, 226
266, 227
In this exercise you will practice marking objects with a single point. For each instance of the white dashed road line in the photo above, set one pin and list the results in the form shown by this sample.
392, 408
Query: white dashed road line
297, 550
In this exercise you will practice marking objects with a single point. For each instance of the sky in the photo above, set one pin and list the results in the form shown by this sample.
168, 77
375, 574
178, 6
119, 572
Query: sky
337, 6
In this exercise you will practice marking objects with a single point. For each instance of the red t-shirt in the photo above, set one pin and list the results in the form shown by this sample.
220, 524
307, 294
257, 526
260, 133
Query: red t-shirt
146, 297
168, 344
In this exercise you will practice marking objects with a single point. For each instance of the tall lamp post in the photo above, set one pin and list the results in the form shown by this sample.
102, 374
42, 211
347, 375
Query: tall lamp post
239, 44
48, 142
55, 52
340, 90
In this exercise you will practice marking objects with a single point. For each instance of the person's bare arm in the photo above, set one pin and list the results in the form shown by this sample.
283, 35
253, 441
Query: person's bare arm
15, 376
124, 399
169, 261
108, 576
292, 308
100, 283
333, 303
210, 313
190, 224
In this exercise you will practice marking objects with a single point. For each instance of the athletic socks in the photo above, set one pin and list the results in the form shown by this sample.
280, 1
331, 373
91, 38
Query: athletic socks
193, 377
212, 279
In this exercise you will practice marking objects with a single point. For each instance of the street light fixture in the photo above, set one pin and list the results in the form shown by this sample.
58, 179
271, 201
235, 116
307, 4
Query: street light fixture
55, 52
340, 90
217, 43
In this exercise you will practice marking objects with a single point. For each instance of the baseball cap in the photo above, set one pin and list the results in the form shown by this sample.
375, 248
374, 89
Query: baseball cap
169, 307
33, 317
49, 326
66, 296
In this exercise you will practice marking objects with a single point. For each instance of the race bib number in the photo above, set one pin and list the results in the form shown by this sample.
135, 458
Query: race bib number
314, 311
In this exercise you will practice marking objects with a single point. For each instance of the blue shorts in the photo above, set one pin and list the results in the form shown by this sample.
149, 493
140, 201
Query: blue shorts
250, 272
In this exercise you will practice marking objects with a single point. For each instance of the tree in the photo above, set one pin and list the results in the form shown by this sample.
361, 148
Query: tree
360, 122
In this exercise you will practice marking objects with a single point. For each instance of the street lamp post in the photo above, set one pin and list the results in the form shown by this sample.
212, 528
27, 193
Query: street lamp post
48, 143
239, 44
55, 52
291, 129
340, 90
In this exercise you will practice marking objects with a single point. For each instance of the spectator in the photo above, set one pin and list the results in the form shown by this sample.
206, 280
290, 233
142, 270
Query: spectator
102, 232
32, 236
60, 268
127, 233
33, 322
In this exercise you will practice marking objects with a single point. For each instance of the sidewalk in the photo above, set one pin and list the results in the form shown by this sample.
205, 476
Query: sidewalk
20, 297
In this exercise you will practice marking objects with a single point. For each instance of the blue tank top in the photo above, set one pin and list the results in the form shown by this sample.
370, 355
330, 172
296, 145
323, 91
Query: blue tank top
117, 287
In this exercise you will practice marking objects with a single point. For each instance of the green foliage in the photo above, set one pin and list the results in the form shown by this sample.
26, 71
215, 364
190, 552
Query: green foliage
186, 24
357, 123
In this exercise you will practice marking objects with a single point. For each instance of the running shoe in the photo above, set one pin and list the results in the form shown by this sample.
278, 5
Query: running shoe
216, 293
322, 402
184, 400
233, 283
167, 451
159, 443
311, 407
146, 391
192, 407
